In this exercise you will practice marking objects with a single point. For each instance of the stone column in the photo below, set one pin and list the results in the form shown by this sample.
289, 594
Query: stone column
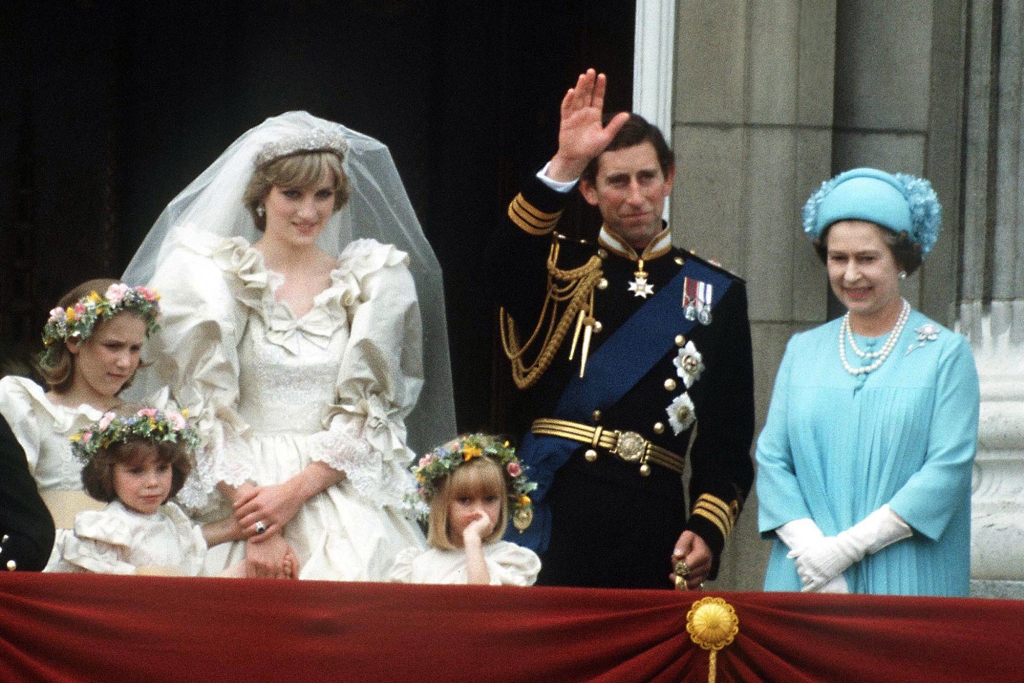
991, 306
753, 137
899, 85
774, 97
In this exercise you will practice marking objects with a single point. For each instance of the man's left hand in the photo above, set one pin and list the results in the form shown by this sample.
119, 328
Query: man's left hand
691, 549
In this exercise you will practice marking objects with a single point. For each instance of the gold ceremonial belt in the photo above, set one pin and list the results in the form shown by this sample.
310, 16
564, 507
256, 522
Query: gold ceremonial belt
627, 446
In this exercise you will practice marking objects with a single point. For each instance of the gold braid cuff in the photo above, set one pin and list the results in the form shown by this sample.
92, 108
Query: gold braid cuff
530, 218
573, 290
723, 515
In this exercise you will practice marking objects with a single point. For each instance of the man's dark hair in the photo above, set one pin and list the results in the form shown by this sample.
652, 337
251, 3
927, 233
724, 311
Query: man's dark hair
637, 130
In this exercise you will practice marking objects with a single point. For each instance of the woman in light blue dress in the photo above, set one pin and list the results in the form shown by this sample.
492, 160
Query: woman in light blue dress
864, 464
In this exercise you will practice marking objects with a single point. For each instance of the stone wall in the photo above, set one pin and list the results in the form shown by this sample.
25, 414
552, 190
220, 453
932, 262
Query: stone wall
753, 137
992, 290
772, 97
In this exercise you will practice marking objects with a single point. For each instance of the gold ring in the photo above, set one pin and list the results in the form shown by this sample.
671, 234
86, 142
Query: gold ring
682, 569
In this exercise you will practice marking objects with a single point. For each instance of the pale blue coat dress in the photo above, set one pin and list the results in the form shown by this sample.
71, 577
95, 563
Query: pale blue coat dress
837, 447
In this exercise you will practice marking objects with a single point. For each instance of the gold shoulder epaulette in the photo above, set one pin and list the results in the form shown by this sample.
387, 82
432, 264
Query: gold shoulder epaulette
530, 218
569, 290
714, 264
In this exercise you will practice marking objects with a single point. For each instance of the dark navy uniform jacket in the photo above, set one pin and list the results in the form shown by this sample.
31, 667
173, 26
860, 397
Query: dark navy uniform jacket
611, 526
26, 528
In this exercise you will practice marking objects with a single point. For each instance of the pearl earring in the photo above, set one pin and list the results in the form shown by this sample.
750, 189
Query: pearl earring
260, 211
903, 273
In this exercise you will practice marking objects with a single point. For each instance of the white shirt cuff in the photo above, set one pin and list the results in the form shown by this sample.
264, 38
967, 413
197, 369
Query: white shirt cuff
556, 185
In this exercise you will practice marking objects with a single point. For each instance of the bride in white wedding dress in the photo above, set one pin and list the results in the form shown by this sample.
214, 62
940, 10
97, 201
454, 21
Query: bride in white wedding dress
299, 348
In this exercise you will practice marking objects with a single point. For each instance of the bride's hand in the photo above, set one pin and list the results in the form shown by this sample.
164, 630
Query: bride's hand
273, 506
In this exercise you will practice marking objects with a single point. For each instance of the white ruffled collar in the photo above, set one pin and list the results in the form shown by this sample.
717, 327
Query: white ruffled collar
256, 285
117, 523
65, 418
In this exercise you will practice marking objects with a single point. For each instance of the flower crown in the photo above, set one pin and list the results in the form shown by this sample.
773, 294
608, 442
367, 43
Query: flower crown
922, 201
79, 321
316, 140
148, 424
433, 470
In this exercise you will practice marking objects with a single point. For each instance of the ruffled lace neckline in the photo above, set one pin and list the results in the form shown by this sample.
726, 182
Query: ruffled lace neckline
255, 284
274, 281
260, 283
359, 258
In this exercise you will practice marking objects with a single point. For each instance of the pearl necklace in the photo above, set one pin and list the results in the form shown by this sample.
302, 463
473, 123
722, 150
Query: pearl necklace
890, 343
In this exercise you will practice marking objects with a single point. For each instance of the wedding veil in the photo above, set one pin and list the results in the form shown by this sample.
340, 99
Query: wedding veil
379, 208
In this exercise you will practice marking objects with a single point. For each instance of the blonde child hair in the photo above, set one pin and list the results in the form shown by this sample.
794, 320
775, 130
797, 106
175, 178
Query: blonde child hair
472, 463
480, 475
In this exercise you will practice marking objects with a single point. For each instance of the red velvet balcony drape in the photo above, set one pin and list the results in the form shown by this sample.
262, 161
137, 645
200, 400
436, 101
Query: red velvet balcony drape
107, 628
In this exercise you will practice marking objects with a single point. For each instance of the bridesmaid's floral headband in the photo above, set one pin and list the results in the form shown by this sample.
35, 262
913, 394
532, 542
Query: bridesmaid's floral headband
433, 470
148, 424
79, 321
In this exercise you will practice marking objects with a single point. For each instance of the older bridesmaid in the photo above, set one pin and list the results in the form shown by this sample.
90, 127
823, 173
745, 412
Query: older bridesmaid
92, 343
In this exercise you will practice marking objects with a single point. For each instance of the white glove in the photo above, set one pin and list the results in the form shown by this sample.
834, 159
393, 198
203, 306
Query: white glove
801, 534
832, 555
836, 586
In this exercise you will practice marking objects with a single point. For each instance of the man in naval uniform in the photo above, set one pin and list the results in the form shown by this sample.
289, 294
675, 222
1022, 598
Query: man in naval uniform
26, 528
630, 356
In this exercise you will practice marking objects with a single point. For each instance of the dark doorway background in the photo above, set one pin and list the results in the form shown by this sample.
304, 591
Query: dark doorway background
109, 107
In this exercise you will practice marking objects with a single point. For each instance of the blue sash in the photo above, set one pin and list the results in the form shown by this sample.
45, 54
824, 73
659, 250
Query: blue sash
615, 368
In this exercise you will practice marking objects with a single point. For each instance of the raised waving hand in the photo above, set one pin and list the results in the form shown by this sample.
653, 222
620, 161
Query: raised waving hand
581, 134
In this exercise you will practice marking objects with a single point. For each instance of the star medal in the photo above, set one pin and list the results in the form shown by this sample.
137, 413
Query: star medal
681, 413
689, 364
639, 285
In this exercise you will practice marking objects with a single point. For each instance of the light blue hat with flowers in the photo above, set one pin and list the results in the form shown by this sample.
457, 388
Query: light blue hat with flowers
899, 202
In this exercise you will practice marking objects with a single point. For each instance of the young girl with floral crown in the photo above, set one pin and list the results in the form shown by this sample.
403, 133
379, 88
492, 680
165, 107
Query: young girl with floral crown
91, 346
135, 460
469, 485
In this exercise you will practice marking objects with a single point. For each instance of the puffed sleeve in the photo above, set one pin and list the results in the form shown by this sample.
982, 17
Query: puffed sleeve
100, 545
511, 565
41, 428
927, 501
401, 572
780, 498
380, 377
207, 286
18, 398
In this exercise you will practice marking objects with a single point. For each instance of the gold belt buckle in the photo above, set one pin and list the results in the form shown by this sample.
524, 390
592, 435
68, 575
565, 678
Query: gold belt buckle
630, 446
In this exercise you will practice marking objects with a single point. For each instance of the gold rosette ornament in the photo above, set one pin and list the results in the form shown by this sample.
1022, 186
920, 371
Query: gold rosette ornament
712, 623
